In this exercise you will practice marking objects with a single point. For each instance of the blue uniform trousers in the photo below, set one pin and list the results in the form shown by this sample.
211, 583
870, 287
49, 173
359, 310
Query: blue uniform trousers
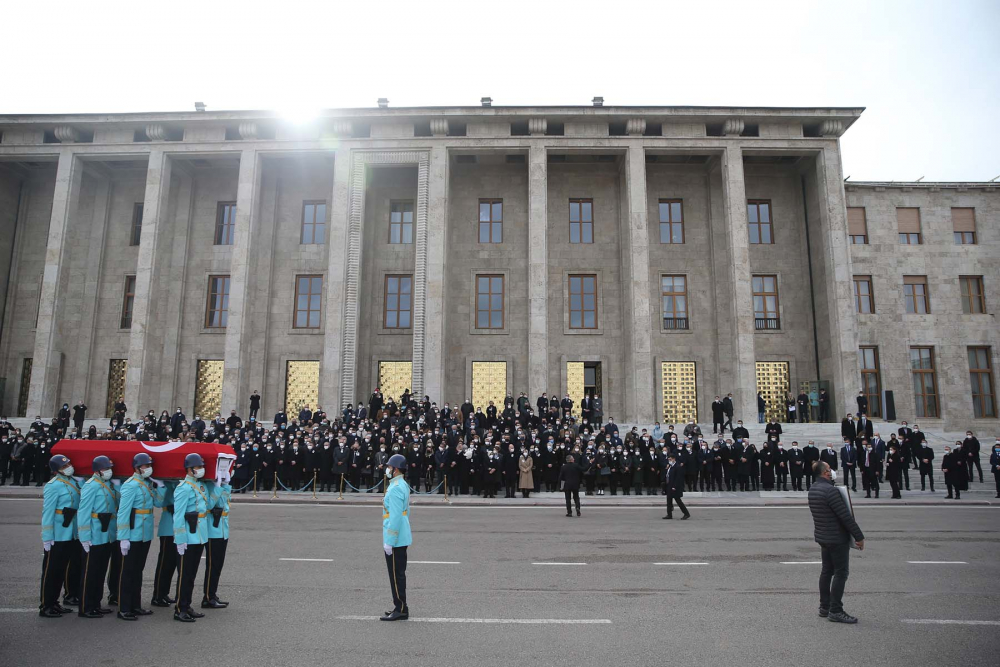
396, 564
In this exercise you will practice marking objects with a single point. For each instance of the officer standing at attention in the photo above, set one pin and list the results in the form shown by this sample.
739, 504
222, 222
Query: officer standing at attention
219, 495
191, 505
96, 525
59, 534
396, 535
135, 532
166, 561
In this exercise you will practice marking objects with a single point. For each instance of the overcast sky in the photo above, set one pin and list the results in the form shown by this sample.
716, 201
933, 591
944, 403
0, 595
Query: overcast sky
926, 71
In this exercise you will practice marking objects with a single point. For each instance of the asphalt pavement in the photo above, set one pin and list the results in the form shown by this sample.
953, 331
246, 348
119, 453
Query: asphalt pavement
504, 585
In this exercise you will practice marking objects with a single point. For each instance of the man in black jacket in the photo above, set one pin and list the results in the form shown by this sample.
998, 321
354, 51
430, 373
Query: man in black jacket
569, 479
674, 478
833, 525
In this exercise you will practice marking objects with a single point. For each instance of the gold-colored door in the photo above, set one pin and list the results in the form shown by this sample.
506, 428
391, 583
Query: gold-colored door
394, 377
773, 383
680, 392
116, 384
575, 384
301, 386
208, 388
489, 383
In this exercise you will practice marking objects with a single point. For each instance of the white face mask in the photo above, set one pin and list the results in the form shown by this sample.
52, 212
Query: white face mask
199, 473
388, 472
68, 471
106, 474
146, 472
833, 475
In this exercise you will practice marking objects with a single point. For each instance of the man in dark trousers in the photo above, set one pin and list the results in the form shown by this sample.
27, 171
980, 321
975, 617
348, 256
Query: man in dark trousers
569, 481
833, 526
727, 407
79, 415
802, 401
718, 416
849, 461
862, 403
824, 405
254, 404
674, 478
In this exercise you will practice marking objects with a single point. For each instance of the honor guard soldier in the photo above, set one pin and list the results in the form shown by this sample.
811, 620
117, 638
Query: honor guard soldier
59, 534
191, 505
135, 532
166, 561
396, 535
97, 526
219, 495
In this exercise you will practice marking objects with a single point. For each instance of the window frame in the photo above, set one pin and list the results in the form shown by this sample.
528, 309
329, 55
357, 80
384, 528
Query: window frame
910, 238
670, 222
677, 323
128, 302
580, 202
925, 297
222, 313
309, 310
969, 298
975, 375
314, 225
490, 294
225, 230
853, 238
858, 281
583, 293
874, 400
776, 319
402, 224
489, 223
135, 231
920, 399
398, 277
964, 238
757, 203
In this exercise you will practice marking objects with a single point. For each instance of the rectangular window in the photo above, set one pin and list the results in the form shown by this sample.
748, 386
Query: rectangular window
863, 299
984, 403
308, 301
136, 233
964, 222
489, 302
759, 217
217, 304
765, 303
581, 220
671, 221
915, 294
973, 296
924, 382
871, 382
673, 292
908, 221
225, 223
491, 221
398, 311
857, 225
128, 302
313, 222
401, 222
583, 302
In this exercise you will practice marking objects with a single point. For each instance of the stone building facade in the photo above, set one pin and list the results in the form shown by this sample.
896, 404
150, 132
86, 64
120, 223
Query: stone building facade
656, 255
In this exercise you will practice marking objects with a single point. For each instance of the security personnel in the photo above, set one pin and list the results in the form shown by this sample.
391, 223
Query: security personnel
191, 505
396, 535
166, 561
59, 534
218, 539
97, 526
135, 532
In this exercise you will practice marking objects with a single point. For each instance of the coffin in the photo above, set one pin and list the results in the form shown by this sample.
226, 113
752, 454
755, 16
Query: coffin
168, 457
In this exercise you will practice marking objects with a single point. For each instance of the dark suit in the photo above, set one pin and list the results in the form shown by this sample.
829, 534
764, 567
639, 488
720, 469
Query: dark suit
674, 479
865, 428
569, 477
870, 465
849, 459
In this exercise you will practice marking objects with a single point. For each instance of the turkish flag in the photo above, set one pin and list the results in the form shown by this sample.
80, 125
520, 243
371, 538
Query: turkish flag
168, 457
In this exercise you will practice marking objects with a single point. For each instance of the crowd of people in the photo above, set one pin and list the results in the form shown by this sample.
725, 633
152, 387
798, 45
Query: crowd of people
513, 448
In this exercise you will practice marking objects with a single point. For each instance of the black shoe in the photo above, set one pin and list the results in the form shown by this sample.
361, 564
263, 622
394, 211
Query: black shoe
61, 609
183, 617
104, 610
212, 604
686, 516
868, 495
194, 614
395, 616
127, 616
667, 517
948, 496
823, 613
578, 512
222, 602
49, 612
571, 514
159, 602
71, 601
93, 613
143, 612
842, 617
112, 601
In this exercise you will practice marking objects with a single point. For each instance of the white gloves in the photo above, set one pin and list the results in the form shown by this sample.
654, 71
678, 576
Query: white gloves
157, 484
47, 544
181, 548
86, 546
388, 549
125, 544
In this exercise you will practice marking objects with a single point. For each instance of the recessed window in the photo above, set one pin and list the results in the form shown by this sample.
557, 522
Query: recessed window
765, 303
759, 219
489, 302
924, 381
863, 299
673, 292
401, 222
581, 221
225, 223
915, 294
908, 222
871, 382
136, 232
217, 304
984, 403
491, 221
671, 221
398, 312
973, 297
308, 302
964, 222
857, 225
313, 222
128, 302
583, 302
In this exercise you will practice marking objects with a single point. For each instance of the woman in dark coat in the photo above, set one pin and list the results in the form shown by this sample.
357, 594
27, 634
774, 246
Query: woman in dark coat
894, 468
767, 458
603, 465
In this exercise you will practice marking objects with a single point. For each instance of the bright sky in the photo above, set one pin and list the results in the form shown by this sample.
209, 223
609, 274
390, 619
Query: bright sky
926, 71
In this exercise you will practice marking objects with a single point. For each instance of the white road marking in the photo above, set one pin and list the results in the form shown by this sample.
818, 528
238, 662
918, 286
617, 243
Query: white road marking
558, 563
512, 621
680, 563
801, 562
936, 621
9, 610
310, 560
435, 562
937, 562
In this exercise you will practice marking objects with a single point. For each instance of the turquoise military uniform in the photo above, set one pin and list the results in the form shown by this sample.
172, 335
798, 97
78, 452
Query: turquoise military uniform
97, 497
137, 494
219, 496
395, 514
191, 495
166, 526
60, 493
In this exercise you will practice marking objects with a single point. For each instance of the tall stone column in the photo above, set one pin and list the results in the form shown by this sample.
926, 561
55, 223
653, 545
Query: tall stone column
144, 337
740, 302
236, 372
336, 278
48, 353
429, 275
639, 390
538, 272
176, 275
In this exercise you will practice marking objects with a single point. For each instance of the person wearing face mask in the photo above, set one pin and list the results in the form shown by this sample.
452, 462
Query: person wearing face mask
191, 505
166, 560
675, 487
59, 534
95, 524
219, 496
955, 470
971, 448
924, 457
135, 532
396, 535
894, 468
795, 460
995, 465
524, 466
